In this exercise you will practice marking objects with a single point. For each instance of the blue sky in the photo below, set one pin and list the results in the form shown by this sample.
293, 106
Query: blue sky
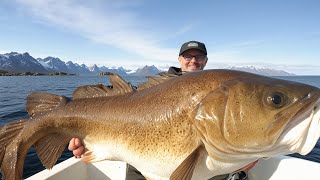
277, 34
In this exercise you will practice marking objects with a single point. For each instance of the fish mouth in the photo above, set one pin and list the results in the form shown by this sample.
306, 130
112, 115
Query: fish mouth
312, 102
302, 132
313, 132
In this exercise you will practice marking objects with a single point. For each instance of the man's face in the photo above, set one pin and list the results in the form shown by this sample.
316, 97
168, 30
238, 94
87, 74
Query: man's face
192, 60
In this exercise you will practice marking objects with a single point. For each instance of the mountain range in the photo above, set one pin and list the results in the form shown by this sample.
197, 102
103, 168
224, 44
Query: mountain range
19, 63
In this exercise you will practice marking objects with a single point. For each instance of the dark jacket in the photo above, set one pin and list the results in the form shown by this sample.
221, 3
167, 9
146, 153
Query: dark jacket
175, 71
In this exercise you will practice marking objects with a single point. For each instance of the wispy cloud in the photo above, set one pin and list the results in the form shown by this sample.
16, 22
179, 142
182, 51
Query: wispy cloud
248, 43
113, 25
184, 29
240, 45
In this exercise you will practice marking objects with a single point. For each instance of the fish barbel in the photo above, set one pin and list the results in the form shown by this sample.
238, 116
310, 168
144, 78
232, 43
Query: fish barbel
194, 126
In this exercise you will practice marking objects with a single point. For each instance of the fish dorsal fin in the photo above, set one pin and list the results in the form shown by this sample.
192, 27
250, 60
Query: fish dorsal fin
154, 80
91, 91
186, 168
50, 147
40, 102
119, 86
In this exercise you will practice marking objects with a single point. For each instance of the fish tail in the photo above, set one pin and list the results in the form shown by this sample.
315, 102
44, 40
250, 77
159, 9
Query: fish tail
8, 133
15, 142
16, 138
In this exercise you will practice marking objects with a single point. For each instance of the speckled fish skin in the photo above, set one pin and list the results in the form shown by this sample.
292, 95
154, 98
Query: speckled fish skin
212, 122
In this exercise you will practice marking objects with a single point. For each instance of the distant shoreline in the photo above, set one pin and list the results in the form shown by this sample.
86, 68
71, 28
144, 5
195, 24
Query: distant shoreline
5, 73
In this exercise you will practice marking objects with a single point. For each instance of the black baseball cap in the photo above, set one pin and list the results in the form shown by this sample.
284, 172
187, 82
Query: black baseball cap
193, 45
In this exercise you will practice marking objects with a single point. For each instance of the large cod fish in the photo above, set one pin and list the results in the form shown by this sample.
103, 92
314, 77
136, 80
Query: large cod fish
194, 126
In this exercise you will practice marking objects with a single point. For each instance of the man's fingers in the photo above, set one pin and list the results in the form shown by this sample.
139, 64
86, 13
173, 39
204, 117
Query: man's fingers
72, 145
78, 152
76, 147
77, 142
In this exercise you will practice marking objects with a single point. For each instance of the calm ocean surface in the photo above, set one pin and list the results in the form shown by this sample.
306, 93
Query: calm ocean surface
14, 90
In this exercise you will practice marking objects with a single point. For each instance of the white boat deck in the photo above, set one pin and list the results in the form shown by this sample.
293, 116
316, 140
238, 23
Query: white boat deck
276, 168
285, 167
75, 169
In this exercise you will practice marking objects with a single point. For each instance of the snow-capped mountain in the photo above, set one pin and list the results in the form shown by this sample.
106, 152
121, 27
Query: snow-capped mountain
146, 71
15, 62
262, 71
119, 70
94, 69
53, 64
76, 68
84, 66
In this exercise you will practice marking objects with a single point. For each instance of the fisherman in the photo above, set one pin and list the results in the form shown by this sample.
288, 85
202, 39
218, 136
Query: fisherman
192, 57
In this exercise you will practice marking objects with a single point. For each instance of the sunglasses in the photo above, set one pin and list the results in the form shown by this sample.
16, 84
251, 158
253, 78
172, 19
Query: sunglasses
189, 57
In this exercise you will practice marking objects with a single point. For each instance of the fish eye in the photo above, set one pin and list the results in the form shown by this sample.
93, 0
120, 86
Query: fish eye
276, 99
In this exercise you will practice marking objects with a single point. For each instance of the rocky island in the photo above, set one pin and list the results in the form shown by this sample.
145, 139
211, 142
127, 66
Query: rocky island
6, 73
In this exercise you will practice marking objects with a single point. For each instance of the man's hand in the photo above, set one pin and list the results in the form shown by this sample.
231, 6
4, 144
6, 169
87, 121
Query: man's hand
76, 147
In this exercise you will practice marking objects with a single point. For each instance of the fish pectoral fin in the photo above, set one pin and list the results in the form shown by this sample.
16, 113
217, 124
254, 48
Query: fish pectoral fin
91, 157
186, 168
50, 147
206, 110
39, 102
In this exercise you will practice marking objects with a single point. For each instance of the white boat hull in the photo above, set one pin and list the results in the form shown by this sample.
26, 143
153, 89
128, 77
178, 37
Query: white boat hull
74, 169
285, 167
276, 168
